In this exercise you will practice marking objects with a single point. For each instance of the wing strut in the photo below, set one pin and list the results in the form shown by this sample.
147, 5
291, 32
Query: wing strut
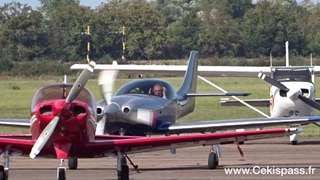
234, 97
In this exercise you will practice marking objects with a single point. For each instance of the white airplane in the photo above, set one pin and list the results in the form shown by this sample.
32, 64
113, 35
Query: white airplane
292, 92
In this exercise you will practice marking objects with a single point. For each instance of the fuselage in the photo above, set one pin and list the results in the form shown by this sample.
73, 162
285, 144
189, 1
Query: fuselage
77, 119
288, 104
299, 81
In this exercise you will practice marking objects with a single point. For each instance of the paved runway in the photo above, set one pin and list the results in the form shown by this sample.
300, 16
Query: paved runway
264, 159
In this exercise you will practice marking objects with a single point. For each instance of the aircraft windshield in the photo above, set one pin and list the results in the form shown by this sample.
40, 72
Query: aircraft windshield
292, 74
144, 86
61, 91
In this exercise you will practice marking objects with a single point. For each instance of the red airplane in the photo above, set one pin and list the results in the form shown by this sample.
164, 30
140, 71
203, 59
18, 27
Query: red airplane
63, 125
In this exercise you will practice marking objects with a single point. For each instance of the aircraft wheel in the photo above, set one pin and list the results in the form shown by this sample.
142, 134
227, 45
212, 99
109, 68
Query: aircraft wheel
124, 160
61, 174
124, 174
3, 173
73, 163
294, 142
213, 160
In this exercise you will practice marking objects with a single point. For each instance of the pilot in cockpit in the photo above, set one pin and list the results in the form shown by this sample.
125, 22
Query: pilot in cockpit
159, 90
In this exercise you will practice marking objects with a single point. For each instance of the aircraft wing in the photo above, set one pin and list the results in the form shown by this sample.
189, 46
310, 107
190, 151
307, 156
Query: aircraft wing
21, 143
146, 144
15, 122
247, 71
103, 145
216, 125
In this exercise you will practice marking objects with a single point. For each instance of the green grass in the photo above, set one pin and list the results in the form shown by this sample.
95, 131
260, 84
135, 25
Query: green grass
16, 95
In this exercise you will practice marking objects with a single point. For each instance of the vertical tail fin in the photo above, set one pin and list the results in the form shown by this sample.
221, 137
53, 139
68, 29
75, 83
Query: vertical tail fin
189, 84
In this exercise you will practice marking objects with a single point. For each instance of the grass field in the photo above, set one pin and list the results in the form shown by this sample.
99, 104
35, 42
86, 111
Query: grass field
16, 95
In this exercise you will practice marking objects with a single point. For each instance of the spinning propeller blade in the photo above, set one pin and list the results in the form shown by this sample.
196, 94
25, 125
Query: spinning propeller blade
74, 92
106, 81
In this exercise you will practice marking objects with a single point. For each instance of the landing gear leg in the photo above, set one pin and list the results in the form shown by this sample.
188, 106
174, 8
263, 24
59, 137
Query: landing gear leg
213, 159
294, 139
73, 163
122, 167
61, 171
4, 170
131, 162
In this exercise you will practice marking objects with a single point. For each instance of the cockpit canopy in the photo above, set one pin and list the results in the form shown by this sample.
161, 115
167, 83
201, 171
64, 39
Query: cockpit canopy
292, 74
61, 91
144, 86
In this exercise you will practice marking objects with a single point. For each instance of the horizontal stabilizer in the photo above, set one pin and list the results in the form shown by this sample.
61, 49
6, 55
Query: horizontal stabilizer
252, 102
218, 94
15, 122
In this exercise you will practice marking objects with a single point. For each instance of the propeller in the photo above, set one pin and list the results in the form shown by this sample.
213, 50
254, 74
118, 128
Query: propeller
297, 93
310, 102
106, 81
273, 82
74, 92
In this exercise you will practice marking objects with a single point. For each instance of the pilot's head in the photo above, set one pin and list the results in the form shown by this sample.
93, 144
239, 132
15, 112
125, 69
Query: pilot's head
157, 90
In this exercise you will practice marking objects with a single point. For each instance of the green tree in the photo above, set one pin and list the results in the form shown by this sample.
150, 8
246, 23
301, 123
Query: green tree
21, 36
64, 30
235, 8
309, 22
183, 35
107, 22
48, 6
145, 31
269, 25
174, 10
220, 31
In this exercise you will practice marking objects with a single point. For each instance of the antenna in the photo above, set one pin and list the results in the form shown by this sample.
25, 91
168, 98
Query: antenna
65, 79
287, 54
270, 59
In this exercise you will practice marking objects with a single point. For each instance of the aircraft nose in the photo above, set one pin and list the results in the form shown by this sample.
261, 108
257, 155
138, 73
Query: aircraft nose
112, 108
294, 94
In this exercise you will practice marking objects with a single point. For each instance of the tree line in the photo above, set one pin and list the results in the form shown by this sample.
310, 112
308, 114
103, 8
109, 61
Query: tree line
158, 29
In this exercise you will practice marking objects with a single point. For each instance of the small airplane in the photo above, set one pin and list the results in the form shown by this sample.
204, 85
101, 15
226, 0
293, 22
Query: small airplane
292, 92
292, 88
63, 125
136, 109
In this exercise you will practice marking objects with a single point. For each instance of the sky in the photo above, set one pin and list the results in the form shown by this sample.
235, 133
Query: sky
35, 3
